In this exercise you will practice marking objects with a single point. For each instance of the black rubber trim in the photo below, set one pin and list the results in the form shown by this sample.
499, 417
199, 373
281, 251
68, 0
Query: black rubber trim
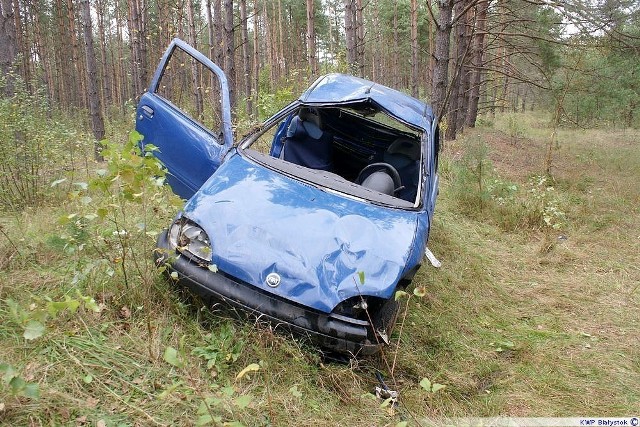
330, 331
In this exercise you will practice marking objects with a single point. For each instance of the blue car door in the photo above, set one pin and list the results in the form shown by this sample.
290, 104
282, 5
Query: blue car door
186, 114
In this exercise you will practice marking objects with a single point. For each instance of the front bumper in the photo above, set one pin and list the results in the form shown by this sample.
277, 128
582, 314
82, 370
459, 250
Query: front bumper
330, 331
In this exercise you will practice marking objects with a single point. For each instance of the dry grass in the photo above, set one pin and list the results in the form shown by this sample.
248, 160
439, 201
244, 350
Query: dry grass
529, 322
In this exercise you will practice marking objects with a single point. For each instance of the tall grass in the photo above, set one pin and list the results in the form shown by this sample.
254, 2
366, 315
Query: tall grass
523, 319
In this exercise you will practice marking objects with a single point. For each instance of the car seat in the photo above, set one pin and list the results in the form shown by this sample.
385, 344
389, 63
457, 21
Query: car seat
404, 155
306, 144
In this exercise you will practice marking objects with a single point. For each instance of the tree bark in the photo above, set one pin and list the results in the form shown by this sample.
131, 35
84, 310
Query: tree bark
246, 56
350, 35
42, 52
414, 48
8, 46
256, 55
441, 57
477, 63
229, 51
218, 30
456, 87
95, 109
281, 59
136, 37
311, 38
195, 70
210, 31
360, 45
79, 77
377, 47
105, 98
396, 47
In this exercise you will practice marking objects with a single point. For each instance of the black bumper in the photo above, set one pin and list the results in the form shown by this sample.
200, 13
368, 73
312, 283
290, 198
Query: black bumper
330, 331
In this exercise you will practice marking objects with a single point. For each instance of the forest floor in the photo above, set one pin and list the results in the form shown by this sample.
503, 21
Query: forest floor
533, 313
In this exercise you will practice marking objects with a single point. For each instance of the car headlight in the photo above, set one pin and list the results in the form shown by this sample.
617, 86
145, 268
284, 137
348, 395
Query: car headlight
190, 239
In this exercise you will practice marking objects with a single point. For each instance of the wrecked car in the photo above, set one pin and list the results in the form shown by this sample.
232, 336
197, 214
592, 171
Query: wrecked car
311, 222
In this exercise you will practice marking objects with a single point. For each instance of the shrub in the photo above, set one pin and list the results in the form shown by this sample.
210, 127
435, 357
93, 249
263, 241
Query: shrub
35, 147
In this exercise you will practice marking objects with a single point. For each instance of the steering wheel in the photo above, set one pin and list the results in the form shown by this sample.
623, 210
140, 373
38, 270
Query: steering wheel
386, 167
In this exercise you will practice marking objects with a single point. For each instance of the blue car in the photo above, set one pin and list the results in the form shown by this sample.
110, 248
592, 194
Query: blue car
311, 222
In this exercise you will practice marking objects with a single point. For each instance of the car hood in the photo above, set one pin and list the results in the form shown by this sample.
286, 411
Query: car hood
260, 222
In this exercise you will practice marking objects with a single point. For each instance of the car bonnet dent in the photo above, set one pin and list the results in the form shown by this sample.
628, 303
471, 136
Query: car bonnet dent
260, 222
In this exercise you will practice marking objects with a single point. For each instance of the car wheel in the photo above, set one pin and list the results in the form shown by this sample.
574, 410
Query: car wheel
385, 319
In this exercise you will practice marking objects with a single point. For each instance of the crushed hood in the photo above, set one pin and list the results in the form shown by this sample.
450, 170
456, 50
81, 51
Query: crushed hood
261, 222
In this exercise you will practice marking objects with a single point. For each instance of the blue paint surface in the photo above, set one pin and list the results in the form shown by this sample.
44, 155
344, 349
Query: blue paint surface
260, 222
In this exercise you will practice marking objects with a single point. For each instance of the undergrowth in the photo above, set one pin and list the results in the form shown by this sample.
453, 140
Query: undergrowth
482, 194
531, 314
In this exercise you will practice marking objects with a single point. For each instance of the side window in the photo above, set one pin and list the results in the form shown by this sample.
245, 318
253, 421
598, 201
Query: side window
193, 88
264, 142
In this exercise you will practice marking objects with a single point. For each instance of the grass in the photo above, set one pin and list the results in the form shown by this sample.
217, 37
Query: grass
521, 320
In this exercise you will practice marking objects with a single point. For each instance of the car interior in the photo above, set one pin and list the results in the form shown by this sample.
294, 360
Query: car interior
360, 144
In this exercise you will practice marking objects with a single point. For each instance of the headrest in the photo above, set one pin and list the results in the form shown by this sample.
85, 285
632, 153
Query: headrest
310, 115
299, 129
405, 146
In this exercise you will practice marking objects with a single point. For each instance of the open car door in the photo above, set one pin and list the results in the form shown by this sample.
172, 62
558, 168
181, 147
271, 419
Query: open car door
186, 114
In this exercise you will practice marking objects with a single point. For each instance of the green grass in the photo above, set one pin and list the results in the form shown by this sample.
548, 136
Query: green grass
521, 320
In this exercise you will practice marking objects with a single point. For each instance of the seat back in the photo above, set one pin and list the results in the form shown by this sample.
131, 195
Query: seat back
404, 155
307, 145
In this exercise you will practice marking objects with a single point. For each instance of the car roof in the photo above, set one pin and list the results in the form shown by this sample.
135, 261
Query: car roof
345, 89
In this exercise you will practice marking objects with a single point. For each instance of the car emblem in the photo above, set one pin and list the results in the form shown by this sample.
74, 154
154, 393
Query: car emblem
273, 280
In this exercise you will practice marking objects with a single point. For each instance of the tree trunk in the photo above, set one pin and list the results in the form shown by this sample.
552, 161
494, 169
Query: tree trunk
79, 76
270, 50
135, 41
229, 51
210, 33
246, 57
350, 35
8, 47
256, 55
218, 30
465, 69
95, 109
311, 39
360, 46
195, 70
441, 57
456, 87
121, 84
414, 48
281, 60
477, 63
42, 52
377, 47
22, 43
105, 99
63, 73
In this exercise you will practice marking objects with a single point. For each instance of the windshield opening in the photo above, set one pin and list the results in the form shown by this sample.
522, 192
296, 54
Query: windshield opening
358, 150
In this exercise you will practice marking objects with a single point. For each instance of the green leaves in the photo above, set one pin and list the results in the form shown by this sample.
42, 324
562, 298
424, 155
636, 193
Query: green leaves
431, 387
400, 294
172, 358
293, 390
420, 291
34, 319
361, 277
33, 330
17, 385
